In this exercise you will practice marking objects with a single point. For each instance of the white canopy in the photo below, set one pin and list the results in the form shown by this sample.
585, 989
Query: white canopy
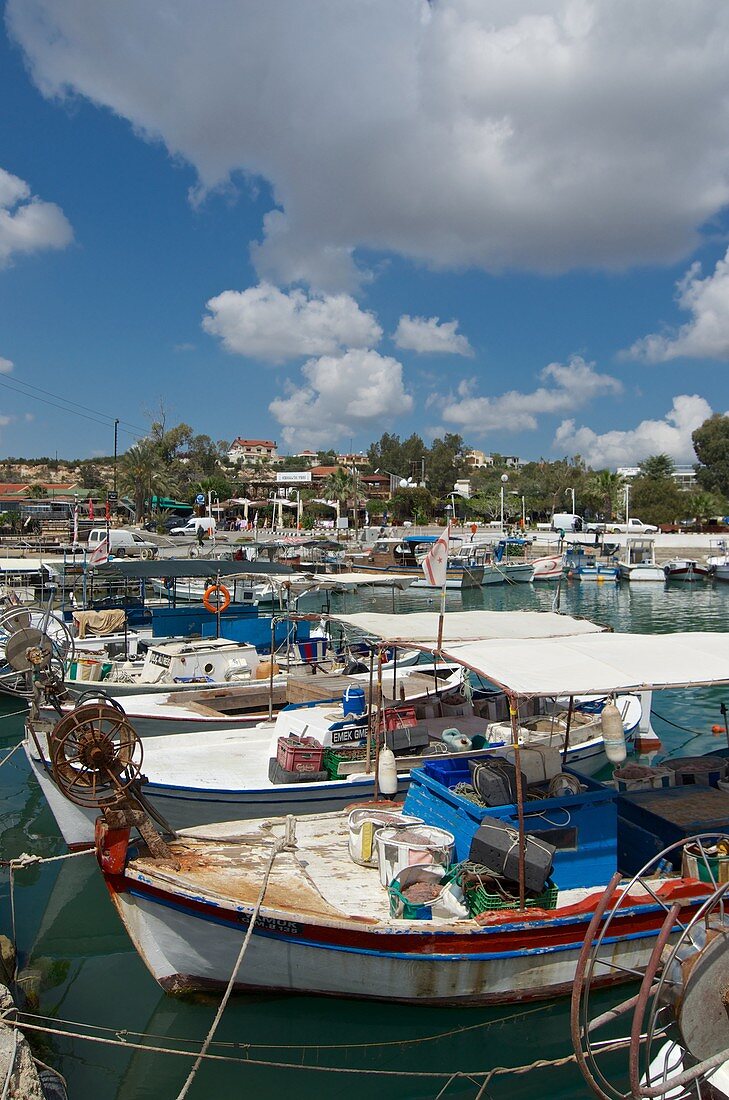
597, 664
468, 626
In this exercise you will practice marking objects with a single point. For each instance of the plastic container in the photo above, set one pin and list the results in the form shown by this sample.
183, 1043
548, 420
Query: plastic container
583, 826
396, 718
353, 702
299, 754
362, 825
410, 846
640, 777
403, 909
482, 899
695, 866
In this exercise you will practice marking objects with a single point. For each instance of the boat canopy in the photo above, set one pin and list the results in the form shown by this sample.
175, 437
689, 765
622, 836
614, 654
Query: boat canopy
421, 628
186, 567
597, 664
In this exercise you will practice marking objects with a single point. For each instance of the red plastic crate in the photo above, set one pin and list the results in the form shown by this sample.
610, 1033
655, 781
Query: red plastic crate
397, 718
299, 754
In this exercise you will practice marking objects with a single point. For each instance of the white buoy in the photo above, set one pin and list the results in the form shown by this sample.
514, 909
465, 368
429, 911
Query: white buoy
387, 771
613, 734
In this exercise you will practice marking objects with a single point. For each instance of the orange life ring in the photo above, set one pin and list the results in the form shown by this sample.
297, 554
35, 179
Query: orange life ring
216, 589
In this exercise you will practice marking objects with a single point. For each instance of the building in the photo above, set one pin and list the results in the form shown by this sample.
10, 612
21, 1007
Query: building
683, 475
309, 457
248, 451
477, 460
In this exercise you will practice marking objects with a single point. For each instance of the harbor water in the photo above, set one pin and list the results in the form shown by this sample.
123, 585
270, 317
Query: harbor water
77, 964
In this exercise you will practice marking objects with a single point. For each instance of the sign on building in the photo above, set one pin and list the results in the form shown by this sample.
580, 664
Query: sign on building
293, 477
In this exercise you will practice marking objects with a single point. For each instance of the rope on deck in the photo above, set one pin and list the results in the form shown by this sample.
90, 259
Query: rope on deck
278, 847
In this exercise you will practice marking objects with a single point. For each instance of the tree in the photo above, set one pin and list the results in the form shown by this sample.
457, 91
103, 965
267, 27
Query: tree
657, 466
702, 506
657, 500
415, 503
606, 486
37, 491
143, 473
445, 464
711, 443
338, 485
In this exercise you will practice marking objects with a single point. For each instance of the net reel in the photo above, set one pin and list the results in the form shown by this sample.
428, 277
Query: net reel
679, 1020
96, 761
96, 755
32, 640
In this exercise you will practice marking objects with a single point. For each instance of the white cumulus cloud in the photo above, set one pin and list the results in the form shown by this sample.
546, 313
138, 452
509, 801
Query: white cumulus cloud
342, 396
706, 335
567, 386
671, 436
429, 335
266, 323
536, 135
6, 365
26, 223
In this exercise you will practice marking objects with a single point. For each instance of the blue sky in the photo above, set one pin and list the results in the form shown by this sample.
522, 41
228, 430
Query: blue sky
318, 221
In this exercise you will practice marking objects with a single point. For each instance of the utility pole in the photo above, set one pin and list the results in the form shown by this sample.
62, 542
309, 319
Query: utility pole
116, 442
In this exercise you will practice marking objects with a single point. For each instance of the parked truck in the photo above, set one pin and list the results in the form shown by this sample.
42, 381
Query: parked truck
634, 526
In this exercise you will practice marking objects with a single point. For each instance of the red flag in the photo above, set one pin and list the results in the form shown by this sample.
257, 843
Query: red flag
108, 512
435, 563
91, 509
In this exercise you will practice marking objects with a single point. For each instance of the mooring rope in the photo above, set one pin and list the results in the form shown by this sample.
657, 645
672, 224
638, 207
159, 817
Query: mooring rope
10, 753
278, 846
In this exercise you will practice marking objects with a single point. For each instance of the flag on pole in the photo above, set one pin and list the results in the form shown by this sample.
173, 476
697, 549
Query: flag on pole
100, 555
435, 562
75, 524
91, 509
108, 513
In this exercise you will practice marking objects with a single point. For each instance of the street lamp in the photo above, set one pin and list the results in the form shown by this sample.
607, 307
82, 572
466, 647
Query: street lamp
570, 490
504, 480
452, 506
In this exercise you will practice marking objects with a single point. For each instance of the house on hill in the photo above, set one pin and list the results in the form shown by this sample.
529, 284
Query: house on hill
248, 451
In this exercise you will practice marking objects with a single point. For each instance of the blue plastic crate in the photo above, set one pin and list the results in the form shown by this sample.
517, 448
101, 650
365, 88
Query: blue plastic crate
584, 826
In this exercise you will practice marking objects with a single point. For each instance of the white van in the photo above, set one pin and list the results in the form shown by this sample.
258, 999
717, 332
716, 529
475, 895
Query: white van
208, 524
566, 521
123, 543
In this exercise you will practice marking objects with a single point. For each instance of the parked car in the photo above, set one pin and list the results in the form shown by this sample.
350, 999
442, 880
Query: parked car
166, 523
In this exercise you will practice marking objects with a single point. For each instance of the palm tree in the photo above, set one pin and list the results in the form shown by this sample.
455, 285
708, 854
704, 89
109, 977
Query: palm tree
143, 474
606, 485
339, 485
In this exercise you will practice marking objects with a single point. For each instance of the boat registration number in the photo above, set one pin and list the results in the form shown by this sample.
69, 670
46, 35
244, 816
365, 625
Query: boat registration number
163, 659
347, 737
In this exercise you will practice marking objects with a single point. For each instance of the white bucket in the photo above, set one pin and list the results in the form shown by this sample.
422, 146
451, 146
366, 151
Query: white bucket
411, 846
363, 823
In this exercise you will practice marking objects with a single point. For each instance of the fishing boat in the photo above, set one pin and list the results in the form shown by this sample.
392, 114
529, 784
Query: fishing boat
718, 560
685, 570
581, 565
639, 562
228, 773
403, 557
321, 923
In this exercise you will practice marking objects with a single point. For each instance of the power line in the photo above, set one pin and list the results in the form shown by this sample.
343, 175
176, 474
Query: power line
106, 422
67, 400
